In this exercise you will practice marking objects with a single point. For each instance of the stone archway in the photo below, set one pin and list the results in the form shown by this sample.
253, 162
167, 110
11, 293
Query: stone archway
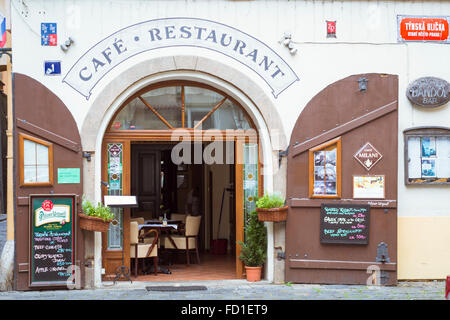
201, 69
250, 95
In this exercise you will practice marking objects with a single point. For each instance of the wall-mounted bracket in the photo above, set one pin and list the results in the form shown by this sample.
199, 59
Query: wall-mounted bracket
282, 154
382, 253
87, 155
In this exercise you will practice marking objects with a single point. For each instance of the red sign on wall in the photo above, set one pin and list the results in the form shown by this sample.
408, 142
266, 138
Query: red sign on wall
331, 29
432, 29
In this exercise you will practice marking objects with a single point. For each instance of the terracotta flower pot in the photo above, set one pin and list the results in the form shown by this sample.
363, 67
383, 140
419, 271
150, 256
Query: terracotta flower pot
273, 214
93, 223
253, 273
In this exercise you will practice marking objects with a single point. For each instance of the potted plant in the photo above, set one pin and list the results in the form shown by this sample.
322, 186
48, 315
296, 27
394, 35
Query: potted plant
253, 250
271, 208
95, 218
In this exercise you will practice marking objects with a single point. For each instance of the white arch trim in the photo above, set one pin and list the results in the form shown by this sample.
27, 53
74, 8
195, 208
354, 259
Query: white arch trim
106, 104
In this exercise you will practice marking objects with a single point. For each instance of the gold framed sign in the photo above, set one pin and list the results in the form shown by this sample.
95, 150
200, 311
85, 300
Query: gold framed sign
369, 187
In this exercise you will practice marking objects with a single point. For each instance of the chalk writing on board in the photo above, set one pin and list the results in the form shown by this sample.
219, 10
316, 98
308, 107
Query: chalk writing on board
52, 248
342, 223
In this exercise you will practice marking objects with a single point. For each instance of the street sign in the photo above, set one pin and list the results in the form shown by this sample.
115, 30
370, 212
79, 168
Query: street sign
48, 34
52, 68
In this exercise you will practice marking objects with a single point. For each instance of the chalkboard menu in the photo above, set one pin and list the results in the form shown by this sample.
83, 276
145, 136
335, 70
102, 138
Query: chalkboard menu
52, 239
344, 223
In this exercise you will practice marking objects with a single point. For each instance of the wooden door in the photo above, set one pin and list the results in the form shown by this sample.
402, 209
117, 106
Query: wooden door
146, 179
247, 189
116, 181
40, 117
361, 126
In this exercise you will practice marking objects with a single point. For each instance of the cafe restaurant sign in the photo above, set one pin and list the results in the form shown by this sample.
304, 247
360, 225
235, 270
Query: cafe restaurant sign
179, 32
429, 92
423, 28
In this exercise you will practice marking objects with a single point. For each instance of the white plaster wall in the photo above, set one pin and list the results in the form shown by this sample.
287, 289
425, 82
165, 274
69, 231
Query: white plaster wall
366, 42
366, 38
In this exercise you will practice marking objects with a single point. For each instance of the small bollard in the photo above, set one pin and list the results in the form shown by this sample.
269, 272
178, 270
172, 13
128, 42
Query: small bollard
447, 287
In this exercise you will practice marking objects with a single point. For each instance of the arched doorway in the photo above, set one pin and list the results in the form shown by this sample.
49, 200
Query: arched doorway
342, 221
169, 138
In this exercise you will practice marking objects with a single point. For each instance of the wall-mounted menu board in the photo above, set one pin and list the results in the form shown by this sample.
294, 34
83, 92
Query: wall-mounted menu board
52, 239
344, 223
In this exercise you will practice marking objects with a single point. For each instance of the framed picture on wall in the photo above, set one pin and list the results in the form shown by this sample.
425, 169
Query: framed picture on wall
427, 156
369, 187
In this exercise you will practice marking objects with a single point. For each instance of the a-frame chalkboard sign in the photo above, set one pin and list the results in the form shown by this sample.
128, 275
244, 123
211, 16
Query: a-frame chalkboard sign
52, 239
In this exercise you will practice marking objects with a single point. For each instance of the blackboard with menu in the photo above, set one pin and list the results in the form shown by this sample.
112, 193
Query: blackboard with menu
52, 239
344, 223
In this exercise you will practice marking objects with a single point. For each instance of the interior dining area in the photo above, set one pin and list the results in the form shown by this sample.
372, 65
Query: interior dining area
184, 225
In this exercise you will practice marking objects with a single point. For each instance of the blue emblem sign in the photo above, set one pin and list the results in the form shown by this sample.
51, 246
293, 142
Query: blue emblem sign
52, 68
48, 34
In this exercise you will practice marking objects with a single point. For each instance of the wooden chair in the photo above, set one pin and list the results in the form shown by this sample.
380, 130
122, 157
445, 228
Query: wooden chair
140, 220
188, 240
140, 250
178, 216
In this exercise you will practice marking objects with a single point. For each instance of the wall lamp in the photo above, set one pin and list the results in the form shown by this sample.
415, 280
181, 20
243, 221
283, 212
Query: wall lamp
65, 46
362, 82
289, 44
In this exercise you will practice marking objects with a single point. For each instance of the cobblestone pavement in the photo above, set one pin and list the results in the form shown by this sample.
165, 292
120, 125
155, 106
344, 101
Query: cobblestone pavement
241, 290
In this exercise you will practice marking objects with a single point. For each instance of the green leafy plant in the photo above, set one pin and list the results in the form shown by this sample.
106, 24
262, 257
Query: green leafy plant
269, 201
100, 211
253, 251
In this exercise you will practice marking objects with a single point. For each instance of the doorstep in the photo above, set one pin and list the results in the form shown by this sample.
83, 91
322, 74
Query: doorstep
237, 283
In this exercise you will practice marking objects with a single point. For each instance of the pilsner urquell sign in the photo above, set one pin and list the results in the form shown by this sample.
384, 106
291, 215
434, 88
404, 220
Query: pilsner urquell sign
429, 92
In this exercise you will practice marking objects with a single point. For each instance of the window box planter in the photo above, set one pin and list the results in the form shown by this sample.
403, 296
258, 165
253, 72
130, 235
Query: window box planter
273, 214
93, 223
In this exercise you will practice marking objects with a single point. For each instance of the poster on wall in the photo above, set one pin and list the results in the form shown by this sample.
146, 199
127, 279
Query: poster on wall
423, 28
325, 172
369, 187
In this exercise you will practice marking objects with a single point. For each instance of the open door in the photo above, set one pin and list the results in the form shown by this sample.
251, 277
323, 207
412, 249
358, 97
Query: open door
248, 189
116, 181
48, 162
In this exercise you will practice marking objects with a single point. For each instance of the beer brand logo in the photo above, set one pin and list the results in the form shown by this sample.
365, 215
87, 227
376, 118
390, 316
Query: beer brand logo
57, 213
47, 205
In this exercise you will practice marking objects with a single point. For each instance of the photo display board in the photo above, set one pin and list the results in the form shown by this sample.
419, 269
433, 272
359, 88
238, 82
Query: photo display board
344, 223
52, 239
